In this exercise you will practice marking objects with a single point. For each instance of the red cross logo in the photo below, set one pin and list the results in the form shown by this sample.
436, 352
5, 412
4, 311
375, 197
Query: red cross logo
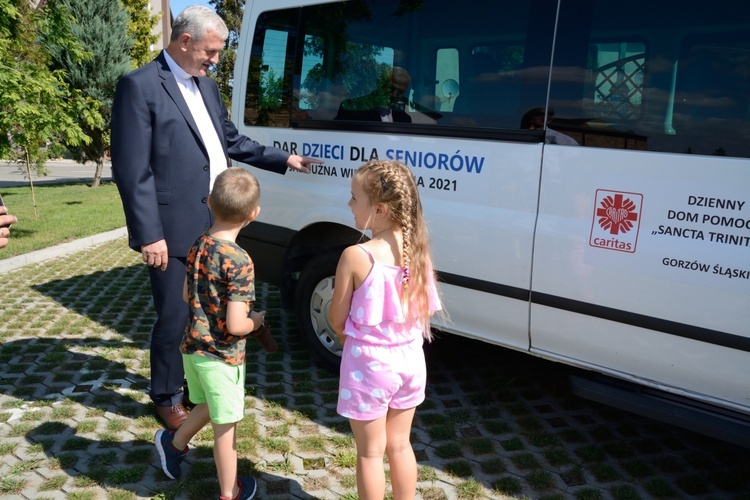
617, 215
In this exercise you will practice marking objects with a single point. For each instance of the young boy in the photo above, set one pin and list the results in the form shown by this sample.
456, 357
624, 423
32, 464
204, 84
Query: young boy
220, 291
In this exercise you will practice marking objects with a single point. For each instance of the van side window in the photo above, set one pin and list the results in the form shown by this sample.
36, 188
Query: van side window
457, 68
491, 88
269, 81
648, 79
616, 71
712, 94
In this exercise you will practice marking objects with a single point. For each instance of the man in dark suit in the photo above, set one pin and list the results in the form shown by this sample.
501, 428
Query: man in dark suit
385, 104
171, 137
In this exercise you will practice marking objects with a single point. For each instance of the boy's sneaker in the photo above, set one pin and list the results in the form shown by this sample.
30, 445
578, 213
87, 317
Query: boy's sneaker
263, 335
247, 486
170, 457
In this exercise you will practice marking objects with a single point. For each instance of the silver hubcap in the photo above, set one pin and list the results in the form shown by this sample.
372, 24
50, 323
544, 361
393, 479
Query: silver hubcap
320, 305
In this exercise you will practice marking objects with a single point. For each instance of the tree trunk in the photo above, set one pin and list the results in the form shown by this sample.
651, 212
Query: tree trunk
31, 184
98, 172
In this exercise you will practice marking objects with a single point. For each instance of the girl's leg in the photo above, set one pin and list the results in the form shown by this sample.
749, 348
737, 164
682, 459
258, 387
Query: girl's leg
400, 453
196, 421
370, 438
225, 456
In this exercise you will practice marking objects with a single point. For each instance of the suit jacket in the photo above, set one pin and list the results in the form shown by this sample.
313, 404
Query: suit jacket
159, 162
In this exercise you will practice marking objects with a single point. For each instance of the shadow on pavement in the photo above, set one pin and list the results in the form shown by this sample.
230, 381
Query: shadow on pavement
125, 464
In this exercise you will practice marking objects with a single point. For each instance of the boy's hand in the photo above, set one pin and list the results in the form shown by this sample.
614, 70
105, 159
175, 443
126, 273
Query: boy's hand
258, 317
263, 335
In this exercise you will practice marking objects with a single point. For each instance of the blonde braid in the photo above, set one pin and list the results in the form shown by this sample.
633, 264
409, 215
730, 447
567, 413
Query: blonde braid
407, 224
406, 248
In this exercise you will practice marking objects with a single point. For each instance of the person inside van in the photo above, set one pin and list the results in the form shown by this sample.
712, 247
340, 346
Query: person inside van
488, 94
534, 120
479, 91
385, 104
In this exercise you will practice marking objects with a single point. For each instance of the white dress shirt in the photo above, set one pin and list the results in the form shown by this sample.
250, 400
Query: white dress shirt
189, 89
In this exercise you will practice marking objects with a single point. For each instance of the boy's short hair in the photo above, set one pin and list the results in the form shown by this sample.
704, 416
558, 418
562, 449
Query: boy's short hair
235, 195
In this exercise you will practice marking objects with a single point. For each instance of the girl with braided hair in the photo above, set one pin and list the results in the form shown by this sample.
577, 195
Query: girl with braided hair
384, 296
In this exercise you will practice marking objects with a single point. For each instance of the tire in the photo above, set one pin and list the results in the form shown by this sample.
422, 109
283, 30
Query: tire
312, 302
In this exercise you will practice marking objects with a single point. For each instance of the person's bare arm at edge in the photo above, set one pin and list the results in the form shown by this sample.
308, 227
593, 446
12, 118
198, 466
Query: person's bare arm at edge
301, 163
5, 221
155, 254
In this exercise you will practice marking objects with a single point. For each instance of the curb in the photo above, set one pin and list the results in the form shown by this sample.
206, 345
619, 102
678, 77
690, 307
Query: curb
61, 250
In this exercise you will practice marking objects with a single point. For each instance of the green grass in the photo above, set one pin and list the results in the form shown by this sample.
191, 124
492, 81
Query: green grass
65, 212
470, 489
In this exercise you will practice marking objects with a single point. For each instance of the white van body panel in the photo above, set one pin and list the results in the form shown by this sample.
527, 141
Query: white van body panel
468, 317
680, 366
492, 245
568, 264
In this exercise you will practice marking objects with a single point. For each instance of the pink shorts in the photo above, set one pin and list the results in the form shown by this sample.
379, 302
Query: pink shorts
375, 378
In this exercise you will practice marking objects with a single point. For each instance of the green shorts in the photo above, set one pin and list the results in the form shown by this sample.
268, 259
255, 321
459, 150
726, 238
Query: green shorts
220, 385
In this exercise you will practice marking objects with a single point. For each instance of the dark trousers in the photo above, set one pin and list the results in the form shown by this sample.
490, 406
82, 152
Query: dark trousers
167, 373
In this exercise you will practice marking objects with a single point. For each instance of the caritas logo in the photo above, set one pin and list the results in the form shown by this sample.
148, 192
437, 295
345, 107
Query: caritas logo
617, 220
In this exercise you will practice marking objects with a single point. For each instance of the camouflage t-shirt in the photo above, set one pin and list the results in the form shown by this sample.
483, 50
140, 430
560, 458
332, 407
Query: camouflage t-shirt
218, 271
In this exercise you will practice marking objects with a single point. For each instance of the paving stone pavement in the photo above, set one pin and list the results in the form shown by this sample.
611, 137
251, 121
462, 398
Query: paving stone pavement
76, 422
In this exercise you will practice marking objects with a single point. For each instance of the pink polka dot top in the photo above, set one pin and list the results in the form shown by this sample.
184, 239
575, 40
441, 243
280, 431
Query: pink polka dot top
376, 315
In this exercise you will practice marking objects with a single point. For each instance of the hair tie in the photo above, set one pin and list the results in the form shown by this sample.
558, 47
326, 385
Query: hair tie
383, 183
405, 277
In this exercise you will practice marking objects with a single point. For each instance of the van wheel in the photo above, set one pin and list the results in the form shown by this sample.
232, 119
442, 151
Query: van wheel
312, 302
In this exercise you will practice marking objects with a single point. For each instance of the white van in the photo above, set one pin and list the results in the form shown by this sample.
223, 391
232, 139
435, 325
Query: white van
583, 166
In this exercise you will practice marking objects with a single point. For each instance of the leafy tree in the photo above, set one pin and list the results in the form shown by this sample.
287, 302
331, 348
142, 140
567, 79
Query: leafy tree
231, 12
270, 97
140, 29
36, 106
101, 26
354, 66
